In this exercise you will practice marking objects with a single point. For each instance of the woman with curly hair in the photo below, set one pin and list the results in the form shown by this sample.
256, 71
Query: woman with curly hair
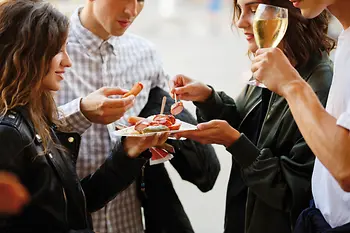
33, 59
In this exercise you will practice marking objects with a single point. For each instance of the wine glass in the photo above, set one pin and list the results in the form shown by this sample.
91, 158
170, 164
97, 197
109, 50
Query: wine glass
269, 25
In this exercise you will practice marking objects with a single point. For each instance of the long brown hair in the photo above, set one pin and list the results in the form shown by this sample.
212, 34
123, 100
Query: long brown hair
31, 34
304, 37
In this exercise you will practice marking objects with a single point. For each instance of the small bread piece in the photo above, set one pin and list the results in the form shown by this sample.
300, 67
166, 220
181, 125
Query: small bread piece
155, 128
135, 90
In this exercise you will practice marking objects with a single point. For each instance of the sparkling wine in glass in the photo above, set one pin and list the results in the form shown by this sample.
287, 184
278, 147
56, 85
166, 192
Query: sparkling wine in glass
269, 25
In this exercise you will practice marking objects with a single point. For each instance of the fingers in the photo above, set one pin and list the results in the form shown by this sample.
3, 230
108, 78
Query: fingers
255, 66
263, 50
118, 103
179, 80
158, 139
108, 91
205, 126
181, 90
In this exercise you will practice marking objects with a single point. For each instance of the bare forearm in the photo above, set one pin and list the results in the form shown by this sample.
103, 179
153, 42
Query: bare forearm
328, 141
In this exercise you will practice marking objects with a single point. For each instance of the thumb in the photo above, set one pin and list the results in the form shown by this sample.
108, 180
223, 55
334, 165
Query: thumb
182, 90
107, 91
204, 126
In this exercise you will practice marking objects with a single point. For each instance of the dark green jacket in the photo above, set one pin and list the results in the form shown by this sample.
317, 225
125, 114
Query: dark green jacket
270, 181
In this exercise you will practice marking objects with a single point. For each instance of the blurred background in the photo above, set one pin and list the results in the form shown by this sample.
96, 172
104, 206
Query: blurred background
195, 38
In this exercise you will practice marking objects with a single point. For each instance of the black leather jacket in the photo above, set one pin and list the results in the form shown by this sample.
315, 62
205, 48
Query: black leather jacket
193, 161
270, 180
60, 202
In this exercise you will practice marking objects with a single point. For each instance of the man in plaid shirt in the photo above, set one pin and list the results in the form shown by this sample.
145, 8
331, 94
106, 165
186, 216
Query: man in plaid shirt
103, 56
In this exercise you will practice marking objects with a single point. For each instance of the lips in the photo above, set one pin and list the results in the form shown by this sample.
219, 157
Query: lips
249, 36
295, 3
124, 23
60, 73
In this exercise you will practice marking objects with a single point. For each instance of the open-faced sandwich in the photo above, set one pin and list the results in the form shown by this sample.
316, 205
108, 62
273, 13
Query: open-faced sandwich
158, 123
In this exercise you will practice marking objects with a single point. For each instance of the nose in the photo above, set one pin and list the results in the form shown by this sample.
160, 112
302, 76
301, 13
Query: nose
244, 21
66, 61
131, 8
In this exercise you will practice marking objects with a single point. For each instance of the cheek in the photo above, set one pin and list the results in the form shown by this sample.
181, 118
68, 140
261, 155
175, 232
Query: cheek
55, 63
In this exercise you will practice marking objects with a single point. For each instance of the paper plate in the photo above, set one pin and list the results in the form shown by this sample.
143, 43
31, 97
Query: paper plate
131, 132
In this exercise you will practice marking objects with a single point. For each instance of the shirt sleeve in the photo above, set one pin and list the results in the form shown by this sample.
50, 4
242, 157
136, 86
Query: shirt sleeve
72, 118
344, 118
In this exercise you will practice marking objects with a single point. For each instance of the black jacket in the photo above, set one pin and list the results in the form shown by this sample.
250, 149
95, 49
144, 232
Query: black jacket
270, 180
194, 162
60, 202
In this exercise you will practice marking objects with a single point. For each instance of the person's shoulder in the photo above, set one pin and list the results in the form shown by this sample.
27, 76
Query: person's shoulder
11, 124
320, 72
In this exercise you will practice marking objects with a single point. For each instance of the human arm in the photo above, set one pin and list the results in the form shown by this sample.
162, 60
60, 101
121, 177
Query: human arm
195, 162
328, 140
78, 115
13, 195
119, 170
210, 104
279, 170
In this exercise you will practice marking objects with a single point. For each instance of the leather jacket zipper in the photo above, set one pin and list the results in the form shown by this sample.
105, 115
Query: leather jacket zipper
246, 115
271, 102
142, 183
85, 208
66, 205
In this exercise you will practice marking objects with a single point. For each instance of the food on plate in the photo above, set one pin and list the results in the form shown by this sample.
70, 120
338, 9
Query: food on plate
177, 108
159, 123
135, 90
155, 128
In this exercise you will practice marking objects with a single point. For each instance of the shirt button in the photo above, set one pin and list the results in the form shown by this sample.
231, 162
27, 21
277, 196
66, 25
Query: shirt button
70, 139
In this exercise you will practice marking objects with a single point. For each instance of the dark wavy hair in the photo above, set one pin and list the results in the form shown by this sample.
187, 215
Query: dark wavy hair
31, 34
304, 37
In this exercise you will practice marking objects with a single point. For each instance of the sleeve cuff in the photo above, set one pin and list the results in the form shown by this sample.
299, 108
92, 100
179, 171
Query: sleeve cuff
122, 162
211, 106
344, 120
243, 151
72, 117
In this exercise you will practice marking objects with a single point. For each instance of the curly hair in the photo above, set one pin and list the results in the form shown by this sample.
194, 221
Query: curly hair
31, 34
303, 37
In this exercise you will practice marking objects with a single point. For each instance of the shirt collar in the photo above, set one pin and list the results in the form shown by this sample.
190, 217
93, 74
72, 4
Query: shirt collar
90, 41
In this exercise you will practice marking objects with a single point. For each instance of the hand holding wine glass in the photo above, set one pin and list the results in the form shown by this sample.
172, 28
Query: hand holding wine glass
269, 25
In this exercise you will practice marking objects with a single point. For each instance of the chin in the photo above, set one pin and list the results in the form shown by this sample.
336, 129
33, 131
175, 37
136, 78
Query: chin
311, 13
56, 87
118, 32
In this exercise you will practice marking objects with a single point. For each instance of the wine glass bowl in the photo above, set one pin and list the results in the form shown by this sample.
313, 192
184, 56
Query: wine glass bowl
269, 26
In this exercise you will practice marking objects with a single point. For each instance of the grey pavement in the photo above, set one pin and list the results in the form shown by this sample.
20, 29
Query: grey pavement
204, 46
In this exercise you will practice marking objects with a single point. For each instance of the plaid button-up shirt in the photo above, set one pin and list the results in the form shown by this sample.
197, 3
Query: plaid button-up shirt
118, 61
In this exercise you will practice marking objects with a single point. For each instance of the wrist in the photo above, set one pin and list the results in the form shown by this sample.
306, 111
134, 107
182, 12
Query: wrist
232, 137
130, 149
82, 107
289, 90
207, 92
